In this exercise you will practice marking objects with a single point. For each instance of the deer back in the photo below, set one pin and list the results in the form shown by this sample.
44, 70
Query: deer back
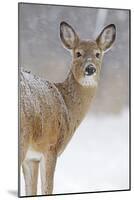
44, 115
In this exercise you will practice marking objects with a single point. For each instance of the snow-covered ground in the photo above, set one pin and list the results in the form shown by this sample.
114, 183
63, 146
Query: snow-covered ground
97, 157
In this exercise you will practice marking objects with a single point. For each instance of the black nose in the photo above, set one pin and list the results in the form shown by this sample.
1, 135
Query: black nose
90, 69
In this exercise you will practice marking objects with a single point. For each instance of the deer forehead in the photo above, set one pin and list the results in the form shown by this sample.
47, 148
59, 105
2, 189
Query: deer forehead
87, 47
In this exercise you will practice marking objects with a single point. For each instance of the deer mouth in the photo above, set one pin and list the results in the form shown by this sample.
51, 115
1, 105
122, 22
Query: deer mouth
88, 81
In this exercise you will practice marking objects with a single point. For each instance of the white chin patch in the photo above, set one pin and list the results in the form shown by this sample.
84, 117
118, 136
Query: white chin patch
88, 81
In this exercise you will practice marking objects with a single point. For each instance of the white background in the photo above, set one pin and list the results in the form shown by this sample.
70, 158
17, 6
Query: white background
8, 98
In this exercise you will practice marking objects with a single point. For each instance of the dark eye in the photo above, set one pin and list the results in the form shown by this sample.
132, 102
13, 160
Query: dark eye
78, 54
97, 55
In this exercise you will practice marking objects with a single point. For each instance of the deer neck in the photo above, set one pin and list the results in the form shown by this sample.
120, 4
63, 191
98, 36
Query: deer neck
76, 97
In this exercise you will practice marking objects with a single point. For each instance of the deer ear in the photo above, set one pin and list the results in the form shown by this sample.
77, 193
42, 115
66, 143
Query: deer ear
68, 35
106, 37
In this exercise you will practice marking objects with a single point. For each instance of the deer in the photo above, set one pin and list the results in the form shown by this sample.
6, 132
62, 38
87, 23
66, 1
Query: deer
50, 112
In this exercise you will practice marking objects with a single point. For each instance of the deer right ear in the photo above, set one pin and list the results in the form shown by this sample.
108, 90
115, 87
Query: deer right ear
68, 35
106, 37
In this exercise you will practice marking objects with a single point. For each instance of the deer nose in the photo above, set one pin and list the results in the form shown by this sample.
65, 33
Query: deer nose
90, 69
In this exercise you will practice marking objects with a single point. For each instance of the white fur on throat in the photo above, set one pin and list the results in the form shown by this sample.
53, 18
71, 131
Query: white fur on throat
88, 81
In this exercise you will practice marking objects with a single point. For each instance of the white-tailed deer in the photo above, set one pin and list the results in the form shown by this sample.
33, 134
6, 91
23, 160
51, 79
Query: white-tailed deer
50, 113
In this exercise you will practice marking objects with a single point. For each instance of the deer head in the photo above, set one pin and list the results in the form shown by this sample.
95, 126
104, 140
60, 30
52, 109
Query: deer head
87, 54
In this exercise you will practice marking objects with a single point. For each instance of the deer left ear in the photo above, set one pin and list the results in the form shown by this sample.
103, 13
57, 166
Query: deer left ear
106, 37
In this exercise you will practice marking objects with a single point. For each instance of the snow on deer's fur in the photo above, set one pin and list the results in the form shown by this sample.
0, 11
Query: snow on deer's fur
50, 113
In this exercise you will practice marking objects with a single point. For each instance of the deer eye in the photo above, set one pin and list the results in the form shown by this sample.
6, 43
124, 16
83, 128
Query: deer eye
78, 54
97, 55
